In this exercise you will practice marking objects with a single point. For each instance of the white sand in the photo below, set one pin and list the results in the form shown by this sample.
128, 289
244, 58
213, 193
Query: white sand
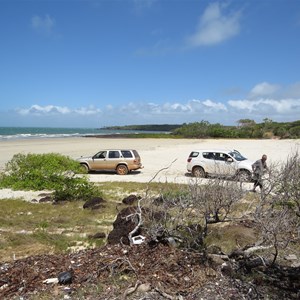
157, 154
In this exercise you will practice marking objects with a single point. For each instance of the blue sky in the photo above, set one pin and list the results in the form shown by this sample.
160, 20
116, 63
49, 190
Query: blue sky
95, 63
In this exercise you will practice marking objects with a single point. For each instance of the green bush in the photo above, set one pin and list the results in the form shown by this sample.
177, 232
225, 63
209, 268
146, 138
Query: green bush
295, 132
47, 172
281, 132
74, 188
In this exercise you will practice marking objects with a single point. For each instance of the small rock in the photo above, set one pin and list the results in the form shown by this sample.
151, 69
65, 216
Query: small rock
291, 257
131, 199
94, 203
65, 277
45, 199
144, 287
296, 265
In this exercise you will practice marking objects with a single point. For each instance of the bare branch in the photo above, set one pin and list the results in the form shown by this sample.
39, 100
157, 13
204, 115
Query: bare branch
139, 210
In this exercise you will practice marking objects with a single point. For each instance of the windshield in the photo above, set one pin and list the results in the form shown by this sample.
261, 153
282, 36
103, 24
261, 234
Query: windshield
237, 155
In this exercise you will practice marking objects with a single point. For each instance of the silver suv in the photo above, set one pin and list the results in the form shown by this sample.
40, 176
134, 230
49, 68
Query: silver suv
121, 161
227, 163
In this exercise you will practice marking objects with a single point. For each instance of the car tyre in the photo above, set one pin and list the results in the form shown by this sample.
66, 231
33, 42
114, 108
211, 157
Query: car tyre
85, 168
198, 172
122, 170
244, 175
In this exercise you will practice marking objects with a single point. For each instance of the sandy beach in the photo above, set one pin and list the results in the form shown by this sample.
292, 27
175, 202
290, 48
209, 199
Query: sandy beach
168, 155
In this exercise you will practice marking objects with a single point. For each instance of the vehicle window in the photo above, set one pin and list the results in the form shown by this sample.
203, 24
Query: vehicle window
101, 154
218, 156
135, 154
194, 154
126, 153
221, 156
237, 155
208, 155
114, 154
226, 157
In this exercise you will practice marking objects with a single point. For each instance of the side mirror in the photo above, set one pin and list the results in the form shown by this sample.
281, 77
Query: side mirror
229, 159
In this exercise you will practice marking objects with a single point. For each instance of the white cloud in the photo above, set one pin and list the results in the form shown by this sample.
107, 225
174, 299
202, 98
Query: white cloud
171, 108
264, 89
129, 108
44, 110
267, 106
43, 25
207, 106
215, 26
190, 107
214, 106
87, 111
242, 104
37, 110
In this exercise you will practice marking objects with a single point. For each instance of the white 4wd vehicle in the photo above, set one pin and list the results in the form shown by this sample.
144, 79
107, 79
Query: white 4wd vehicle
227, 163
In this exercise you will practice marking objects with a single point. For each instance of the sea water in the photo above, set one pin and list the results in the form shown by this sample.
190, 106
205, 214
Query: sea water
12, 133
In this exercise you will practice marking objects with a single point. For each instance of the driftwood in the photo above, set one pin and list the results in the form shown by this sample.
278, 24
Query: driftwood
250, 264
247, 252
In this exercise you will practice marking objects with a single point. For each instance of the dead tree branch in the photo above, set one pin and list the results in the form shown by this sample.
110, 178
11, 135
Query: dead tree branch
139, 209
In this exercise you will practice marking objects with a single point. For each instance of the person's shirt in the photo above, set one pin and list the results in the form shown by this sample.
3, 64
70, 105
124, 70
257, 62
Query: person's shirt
259, 166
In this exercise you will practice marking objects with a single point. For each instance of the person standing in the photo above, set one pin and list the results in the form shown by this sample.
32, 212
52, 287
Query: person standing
259, 167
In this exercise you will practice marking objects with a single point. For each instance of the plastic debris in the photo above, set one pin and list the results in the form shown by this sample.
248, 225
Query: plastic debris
139, 239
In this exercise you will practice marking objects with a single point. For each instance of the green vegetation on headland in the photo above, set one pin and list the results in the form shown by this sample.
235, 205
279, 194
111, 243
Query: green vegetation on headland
151, 127
245, 128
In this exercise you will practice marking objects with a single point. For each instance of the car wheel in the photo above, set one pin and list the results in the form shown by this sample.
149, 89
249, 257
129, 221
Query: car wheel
85, 168
198, 172
244, 175
122, 170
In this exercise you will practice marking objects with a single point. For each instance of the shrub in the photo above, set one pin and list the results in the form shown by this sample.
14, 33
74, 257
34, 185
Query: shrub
278, 213
46, 172
295, 131
268, 135
76, 189
183, 215
281, 132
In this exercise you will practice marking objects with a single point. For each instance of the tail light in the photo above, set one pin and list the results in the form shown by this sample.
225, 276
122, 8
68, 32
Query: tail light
189, 159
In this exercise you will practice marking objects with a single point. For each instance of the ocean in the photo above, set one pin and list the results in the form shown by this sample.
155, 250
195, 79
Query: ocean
14, 133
